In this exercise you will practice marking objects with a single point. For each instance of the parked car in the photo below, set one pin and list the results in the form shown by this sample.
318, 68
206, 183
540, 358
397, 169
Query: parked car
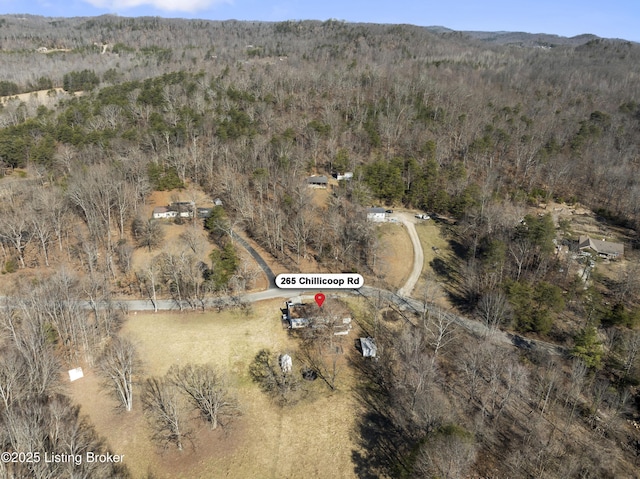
389, 211
423, 217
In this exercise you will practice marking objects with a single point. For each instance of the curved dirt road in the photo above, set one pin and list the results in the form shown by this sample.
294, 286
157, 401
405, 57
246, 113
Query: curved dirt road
418, 255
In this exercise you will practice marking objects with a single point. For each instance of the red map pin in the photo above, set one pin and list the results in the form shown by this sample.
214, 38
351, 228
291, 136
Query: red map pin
319, 299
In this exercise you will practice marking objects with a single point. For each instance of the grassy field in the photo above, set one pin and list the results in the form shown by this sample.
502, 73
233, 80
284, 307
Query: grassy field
311, 439
431, 237
396, 255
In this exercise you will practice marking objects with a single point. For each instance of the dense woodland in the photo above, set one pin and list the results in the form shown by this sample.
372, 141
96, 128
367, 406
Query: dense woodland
473, 131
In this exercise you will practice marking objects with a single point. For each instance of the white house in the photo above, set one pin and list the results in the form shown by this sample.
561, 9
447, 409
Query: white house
376, 215
162, 212
343, 176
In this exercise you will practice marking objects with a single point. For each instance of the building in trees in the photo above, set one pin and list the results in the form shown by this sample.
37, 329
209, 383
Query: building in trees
317, 182
348, 175
605, 249
204, 212
299, 315
163, 212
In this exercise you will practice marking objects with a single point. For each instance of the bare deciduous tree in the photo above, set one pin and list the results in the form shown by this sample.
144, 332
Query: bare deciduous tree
41, 223
629, 346
194, 239
24, 329
12, 377
207, 391
16, 229
448, 453
147, 232
166, 412
149, 279
118, 365
440, 330
493, 309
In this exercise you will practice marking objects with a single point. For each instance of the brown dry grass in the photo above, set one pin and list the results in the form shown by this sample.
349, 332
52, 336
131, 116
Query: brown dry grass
395, 261
431, 237
40, 97
310, 439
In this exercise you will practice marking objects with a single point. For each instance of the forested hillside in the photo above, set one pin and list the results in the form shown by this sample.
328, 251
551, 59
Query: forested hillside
480, 133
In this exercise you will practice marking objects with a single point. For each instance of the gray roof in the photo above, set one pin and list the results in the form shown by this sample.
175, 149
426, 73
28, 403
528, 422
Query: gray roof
369, 348
376, 210
317, 180
607, 248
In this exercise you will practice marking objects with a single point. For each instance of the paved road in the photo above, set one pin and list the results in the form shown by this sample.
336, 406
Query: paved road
401, 299
418, 255
172, 305
271, 278
475, 327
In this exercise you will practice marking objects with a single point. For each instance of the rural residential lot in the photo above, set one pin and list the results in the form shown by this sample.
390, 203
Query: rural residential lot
156, 175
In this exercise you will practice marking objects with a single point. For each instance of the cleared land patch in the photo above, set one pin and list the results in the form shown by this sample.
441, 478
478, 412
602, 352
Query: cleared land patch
395, 261
435, 247
310, 439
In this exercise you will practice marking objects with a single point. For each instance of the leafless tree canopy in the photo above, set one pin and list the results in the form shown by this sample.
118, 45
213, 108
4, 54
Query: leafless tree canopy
207, 392
485, 132
167, 413
119, 365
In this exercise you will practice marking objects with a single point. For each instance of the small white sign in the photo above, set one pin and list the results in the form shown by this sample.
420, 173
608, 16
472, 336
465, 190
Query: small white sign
75, 374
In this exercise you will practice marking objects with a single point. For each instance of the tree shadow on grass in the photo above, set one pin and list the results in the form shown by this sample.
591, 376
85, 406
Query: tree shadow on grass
442, 268
459, 250
380, 440
448, 271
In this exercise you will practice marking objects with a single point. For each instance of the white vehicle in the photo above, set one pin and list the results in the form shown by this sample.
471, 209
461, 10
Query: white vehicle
423, 217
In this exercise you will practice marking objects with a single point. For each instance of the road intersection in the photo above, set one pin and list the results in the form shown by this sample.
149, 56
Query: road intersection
401, 299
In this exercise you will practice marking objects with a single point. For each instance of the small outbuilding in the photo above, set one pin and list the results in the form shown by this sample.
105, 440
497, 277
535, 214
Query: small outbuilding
286, 363
368, 347
348, 175
75, 374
